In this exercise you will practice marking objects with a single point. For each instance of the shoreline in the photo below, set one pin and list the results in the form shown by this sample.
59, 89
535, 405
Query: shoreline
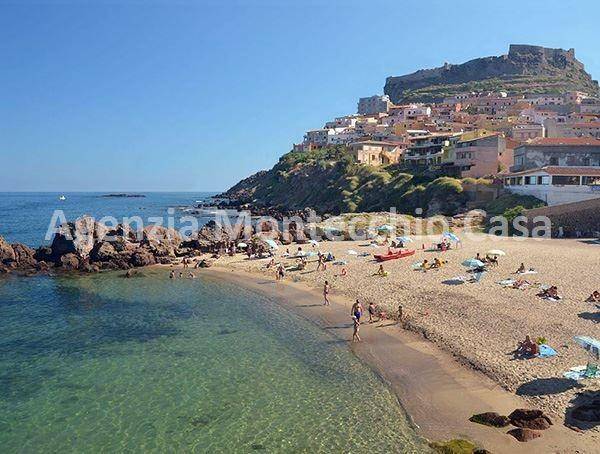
437, 392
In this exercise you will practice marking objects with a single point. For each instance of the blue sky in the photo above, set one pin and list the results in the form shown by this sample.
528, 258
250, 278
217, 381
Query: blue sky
140, 96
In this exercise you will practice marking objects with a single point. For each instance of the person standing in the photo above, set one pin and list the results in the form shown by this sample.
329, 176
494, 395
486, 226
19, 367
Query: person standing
356, 310
355, 335
326, 293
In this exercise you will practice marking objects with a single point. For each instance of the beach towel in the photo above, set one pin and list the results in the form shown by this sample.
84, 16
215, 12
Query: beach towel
581, 372
340, 262
546, 351
507, 282
417, 266
528, 272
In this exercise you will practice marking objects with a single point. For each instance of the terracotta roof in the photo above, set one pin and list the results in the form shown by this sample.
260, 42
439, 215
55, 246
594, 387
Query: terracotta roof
587, 124
558, 141
562, 170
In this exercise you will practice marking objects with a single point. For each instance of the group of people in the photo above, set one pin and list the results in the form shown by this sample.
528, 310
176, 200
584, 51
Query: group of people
172, 275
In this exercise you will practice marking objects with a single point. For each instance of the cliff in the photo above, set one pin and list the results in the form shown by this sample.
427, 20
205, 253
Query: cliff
525, 70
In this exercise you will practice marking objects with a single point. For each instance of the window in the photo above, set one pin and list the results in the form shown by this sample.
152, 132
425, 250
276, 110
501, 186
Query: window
553, 161
561, 180
545, 180
531, 180
590, 181
586, 162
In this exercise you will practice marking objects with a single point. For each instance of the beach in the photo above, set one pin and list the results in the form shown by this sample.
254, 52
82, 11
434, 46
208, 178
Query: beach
478, 324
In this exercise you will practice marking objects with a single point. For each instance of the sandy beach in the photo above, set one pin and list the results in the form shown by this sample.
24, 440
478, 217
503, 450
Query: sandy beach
478, 324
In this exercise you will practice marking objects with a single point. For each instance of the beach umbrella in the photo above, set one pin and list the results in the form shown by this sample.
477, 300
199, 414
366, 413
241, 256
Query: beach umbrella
473, 263
315, 242
452, 236
272, 244
495, 253
590, 344
404, 239
385, 228
242, 245
352, 252
310, 254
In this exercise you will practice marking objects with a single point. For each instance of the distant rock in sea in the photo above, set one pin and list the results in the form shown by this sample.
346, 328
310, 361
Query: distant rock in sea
124, 195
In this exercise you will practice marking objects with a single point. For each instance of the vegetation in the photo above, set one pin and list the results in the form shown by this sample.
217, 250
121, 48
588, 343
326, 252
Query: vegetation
456, 446
329, 180
510, 201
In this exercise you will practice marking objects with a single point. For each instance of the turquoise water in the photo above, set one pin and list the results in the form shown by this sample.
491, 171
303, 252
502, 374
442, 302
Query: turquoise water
105, 364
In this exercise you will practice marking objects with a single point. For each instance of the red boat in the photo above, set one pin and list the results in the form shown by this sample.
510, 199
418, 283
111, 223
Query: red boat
393, 255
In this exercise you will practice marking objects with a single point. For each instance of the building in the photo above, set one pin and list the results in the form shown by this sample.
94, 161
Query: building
525, 132
556, 185
374, 105
476, 154
427, 150
590, 105
317, 137
558, 151
548, 100
376, 153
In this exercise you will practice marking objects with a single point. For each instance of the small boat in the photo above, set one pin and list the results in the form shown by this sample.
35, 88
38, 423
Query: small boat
62, 197
393, 255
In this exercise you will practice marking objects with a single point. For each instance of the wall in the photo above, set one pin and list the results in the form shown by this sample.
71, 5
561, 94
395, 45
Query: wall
582, 217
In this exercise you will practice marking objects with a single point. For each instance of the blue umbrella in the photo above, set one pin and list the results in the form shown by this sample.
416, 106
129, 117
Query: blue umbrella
404, 239
473, 263
452, 236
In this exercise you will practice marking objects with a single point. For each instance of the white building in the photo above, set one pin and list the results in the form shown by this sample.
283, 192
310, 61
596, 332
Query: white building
374, 105
556, 185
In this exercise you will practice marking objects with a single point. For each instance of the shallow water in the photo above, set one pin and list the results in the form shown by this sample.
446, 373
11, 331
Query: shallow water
102, 363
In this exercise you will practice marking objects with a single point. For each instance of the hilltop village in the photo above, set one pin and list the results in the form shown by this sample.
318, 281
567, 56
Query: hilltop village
546, 145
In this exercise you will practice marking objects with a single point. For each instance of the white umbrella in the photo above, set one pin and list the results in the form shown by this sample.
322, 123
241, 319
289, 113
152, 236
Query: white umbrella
242, 245
590, 344
495, 253
352, 252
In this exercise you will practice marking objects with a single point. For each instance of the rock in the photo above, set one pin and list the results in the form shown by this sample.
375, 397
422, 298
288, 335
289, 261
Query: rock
24, 256
530, 419
69, 262
7, 254
142, 257
492, 419
77, 237
103, 252
42, 266
481, 451
524, 434
4, 269
43, 254
162, 242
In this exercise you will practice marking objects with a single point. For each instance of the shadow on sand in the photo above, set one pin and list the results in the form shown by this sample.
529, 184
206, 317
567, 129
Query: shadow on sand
547, 386
584, 412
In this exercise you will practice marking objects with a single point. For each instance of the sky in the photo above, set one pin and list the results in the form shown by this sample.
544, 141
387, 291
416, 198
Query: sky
195, 95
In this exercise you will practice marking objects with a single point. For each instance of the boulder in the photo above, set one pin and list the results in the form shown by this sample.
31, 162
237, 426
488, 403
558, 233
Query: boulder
103, 252
69, 262
142, 257
162, 242
524, 434
43, 254
530, 419
24, 256
491, 418
7, 254
77, 237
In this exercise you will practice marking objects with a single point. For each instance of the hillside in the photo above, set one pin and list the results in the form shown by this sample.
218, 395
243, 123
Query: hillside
524, 70
329, 181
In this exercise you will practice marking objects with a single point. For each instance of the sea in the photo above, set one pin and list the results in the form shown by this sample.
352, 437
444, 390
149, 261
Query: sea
98, 363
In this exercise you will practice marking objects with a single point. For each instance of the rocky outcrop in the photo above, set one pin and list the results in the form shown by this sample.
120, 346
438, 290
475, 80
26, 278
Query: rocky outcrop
525, 68
77, 237
492, 419
7, 254
524, 435
530, 419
